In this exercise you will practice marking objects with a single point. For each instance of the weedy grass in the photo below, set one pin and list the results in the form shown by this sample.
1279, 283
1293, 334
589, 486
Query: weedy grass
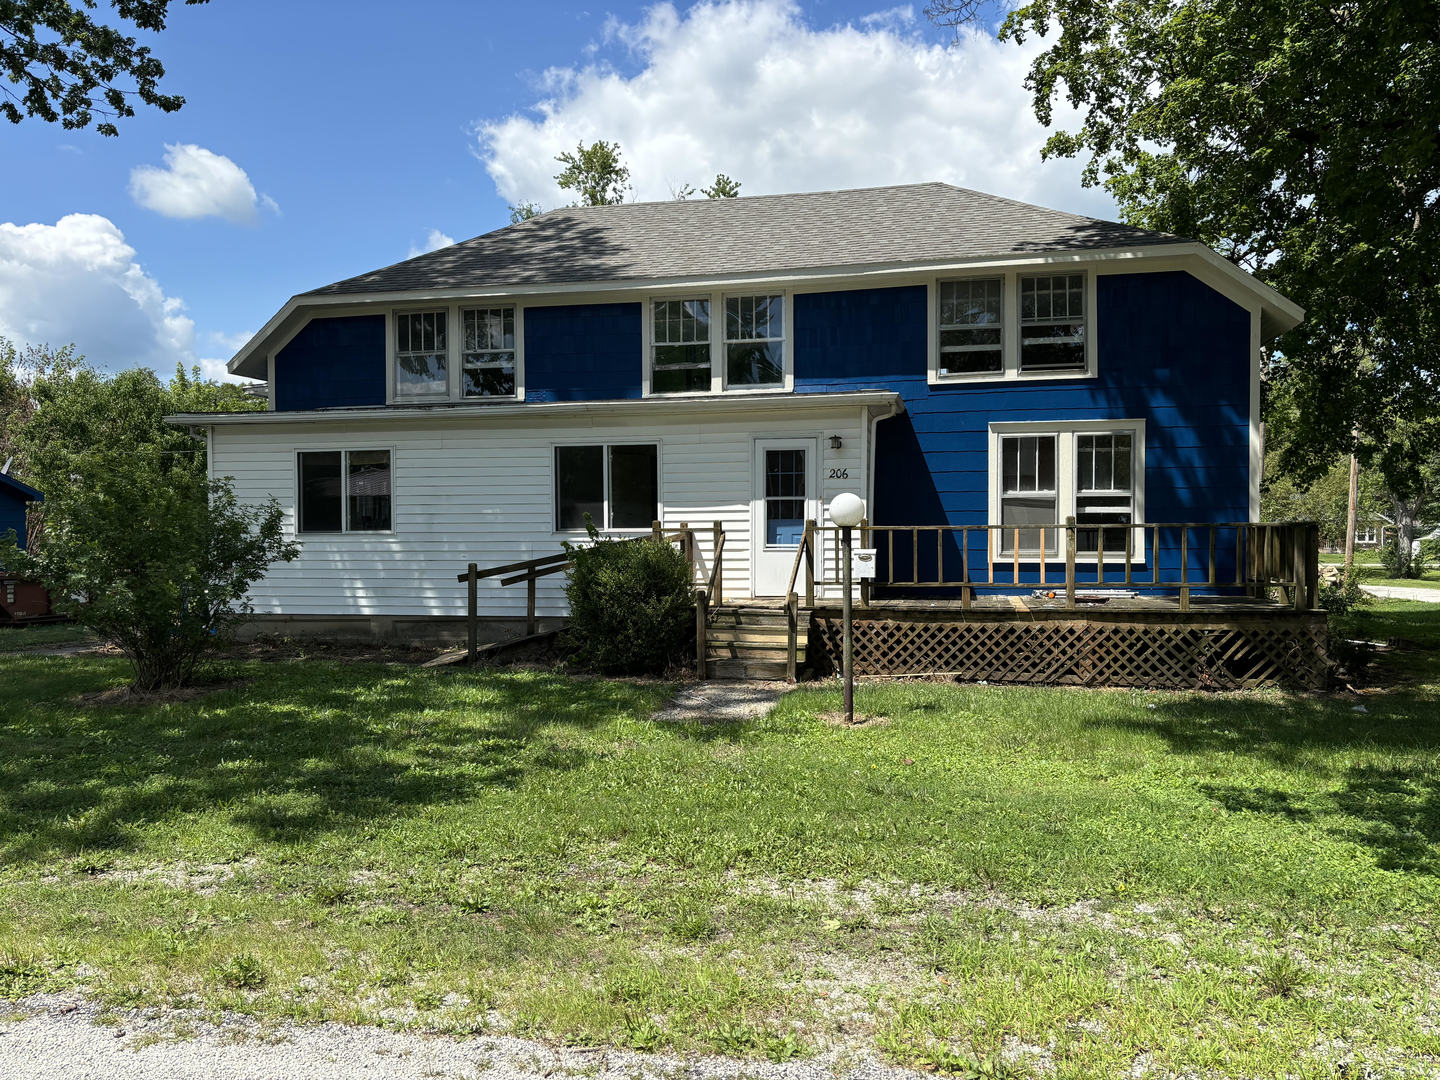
996, 882
13, 638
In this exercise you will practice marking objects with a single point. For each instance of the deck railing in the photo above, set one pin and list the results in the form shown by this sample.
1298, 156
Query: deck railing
1069, 559
530, 571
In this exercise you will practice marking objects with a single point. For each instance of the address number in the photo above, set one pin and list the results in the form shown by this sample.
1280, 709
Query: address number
839, 474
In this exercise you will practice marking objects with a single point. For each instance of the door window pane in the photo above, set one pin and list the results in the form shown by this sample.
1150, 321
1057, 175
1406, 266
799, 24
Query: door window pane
785, 480
579, 486
634, 486
320, 491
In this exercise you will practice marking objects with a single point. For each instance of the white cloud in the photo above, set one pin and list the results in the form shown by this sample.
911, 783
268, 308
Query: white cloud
434, 241
79, 281
751, 89
197, 183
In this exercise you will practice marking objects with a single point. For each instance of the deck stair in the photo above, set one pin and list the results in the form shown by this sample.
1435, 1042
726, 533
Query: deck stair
751, 642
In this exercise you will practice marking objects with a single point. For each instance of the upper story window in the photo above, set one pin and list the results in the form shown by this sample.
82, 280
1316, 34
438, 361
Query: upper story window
457, 353
688, 353
971, 326
421, 353
343, 491
755, 341
1012, 325
680, 359
1052, 322
487, 354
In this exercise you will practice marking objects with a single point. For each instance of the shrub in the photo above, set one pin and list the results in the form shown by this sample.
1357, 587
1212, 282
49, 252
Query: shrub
155, 559
1341, 594
1398, 559
631, 604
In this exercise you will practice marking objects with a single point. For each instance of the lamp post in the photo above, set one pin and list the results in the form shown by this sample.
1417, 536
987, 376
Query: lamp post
847, 511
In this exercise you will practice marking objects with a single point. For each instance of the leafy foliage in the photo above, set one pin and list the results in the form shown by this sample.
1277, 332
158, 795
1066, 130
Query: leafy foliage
722, 188
154, 558
631, 603
1298, 140
524, 211
59, 64
595, 173
1342, 595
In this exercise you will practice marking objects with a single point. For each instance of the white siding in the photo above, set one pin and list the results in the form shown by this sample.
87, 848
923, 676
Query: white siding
479, 489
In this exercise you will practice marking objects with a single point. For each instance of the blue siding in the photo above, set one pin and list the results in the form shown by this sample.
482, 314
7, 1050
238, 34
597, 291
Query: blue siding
582, 352
14, 498
332, 363
1172, 352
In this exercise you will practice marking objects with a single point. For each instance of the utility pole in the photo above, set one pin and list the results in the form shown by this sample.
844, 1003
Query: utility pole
1350, 514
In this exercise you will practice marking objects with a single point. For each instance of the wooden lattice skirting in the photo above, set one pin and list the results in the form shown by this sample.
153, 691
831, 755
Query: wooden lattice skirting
1285, 648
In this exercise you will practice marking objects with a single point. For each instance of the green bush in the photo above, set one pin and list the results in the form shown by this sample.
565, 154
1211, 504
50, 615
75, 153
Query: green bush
1342, 595
1397, 559
631, 604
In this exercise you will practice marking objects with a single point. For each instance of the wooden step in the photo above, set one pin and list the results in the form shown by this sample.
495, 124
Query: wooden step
746, 669
749, 650
755, 619
779, 634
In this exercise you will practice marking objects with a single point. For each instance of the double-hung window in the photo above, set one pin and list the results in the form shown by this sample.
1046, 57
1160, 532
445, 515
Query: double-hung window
422, 354
1052, 322
972, 326
617, 486
343, 491
754, 341
1043, 473
680, 360
717, 342
1104, 489
487, 355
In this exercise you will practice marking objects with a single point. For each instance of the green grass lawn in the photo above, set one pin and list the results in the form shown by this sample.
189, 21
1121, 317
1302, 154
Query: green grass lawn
987, 881
13, 638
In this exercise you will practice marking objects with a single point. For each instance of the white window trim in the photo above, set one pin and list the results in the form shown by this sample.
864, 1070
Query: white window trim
606, 444
454, 354
345, 530
717, 341
1065, 486
1009, 327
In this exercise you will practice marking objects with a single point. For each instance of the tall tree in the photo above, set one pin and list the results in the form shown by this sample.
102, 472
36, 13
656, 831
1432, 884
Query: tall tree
722, 188
595, 173
57, 63
1298, 138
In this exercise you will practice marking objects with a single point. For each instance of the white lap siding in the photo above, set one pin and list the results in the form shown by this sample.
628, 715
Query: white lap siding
481, 490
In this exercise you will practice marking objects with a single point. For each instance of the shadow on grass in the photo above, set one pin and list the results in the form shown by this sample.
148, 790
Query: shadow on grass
302, 750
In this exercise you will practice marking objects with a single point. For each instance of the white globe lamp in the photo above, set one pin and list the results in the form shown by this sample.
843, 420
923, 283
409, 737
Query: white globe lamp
847, 510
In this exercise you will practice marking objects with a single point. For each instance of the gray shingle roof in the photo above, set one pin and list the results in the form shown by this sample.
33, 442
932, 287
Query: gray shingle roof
723, 237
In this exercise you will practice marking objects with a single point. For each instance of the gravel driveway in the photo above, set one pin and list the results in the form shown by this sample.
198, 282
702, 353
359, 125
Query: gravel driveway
62, 1037
1402, 592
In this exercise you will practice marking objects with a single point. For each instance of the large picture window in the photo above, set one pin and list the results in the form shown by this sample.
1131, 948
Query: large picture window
617, 485
421, 354
344, 491
1042, 474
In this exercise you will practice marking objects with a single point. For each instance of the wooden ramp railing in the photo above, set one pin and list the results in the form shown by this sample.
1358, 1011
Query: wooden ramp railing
530, 571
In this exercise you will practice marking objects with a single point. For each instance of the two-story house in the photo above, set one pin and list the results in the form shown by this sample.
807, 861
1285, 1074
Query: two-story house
952, 357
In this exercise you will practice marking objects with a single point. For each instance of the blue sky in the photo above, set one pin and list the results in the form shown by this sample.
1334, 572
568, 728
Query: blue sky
315, 144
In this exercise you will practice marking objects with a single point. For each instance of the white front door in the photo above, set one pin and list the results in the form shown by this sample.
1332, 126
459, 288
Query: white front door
786, 493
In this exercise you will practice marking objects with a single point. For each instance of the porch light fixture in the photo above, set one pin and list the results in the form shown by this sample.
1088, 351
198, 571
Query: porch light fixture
847, 510
836, 442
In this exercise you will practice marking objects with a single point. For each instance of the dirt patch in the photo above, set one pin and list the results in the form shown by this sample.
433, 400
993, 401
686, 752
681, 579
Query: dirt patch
271, 648
838, 719
125, 695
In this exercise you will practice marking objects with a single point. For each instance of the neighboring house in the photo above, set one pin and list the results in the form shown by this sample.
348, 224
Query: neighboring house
19, 599
951, 356
15, 499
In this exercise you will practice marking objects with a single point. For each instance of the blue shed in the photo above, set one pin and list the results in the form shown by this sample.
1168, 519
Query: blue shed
15, 497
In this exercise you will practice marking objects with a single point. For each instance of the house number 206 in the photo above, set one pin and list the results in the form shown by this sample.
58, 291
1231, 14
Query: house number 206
839, 474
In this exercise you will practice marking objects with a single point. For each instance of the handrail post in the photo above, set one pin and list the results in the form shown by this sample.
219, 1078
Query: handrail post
865, 543
1184, 567
1070, 563
792, 640
1300, 561
472, 614
687, 547
530, 622
1312, 565
808, 541
717, 572
655, 531
702, 605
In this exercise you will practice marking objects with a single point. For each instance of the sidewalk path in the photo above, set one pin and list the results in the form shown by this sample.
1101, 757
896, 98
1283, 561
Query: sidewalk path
1401, 592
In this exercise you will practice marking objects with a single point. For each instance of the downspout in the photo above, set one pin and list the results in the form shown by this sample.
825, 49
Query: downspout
871, 419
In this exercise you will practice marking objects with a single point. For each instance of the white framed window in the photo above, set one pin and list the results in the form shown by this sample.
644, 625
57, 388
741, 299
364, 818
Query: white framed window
1052, 322
717, 343
487, 352
1043, 472
464, 352
616, 485
972, 327
343, 491
422, 353
993, 327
